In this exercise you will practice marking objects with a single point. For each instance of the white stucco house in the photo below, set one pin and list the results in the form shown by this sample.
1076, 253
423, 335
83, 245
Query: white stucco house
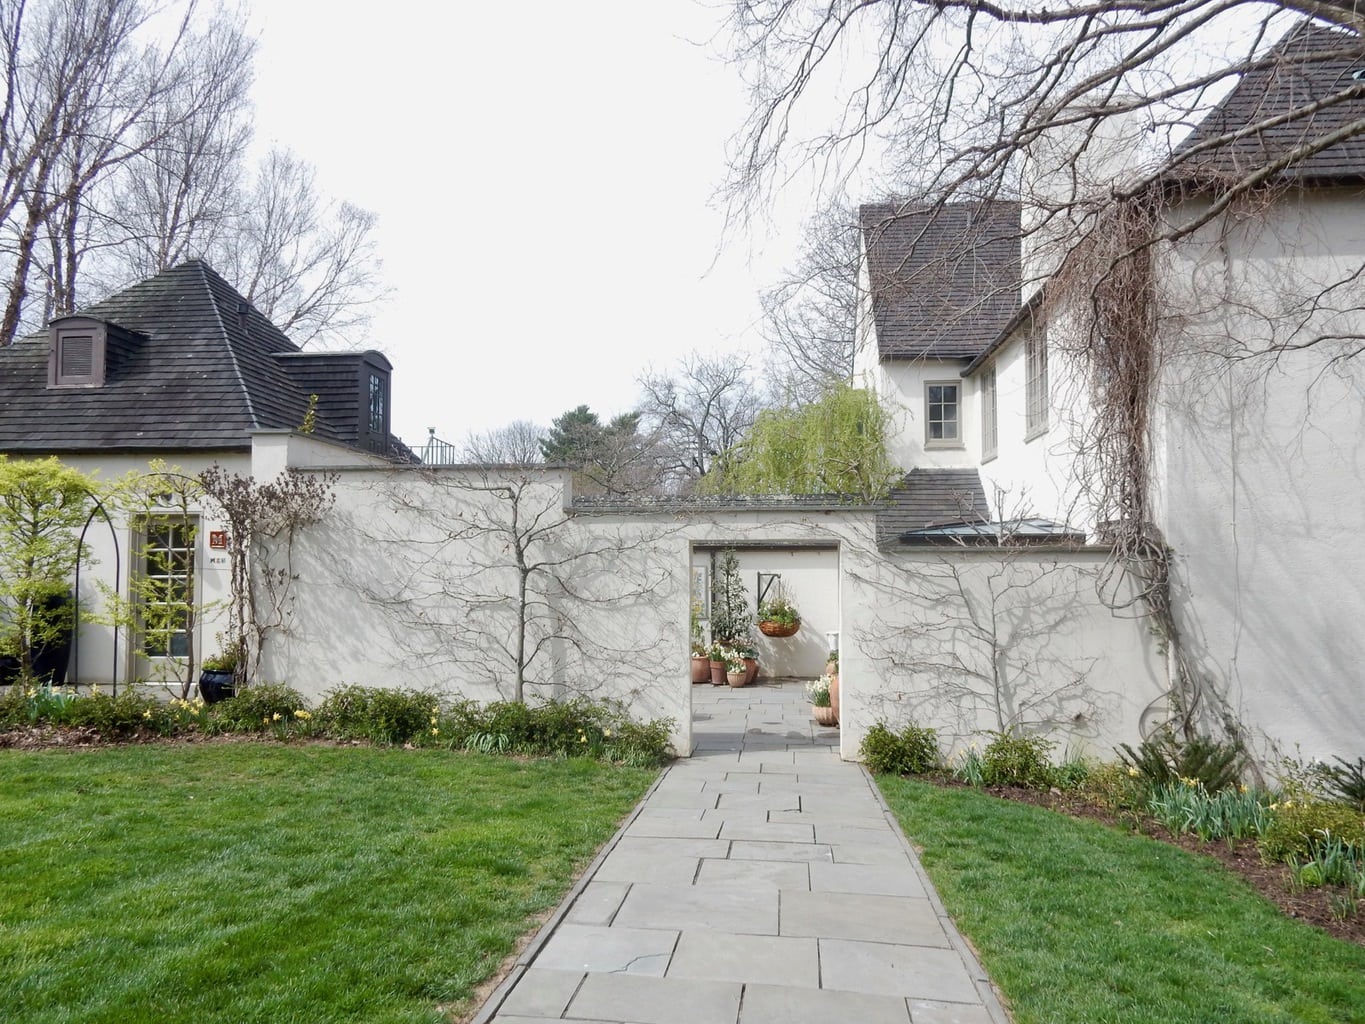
179, 368
1254, 461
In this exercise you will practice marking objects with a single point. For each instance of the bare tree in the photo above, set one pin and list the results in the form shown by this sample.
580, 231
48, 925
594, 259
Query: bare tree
517, 444
178, 199
79, 92
264, 523
121, 135
811, 317
305, 261
693, 415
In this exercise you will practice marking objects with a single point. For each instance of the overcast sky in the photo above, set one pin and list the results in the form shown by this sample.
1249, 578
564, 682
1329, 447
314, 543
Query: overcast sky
543, 174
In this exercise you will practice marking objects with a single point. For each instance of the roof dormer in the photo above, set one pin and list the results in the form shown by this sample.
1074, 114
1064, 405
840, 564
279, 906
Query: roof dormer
76, 353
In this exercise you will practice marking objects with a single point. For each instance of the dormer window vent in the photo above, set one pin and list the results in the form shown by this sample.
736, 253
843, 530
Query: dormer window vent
76, 358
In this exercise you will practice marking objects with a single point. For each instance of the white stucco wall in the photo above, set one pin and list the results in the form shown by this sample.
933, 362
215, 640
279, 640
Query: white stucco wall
402, 586
900, 385
1035, 474
927, 629
1262, 465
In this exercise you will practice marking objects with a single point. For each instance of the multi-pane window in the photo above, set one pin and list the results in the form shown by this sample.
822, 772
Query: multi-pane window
989, 433
379, 400
167, 587
1035, 377
943, 413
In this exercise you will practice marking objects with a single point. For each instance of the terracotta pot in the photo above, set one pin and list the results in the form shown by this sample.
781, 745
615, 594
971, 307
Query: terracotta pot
778, 629
736, 678
717, 673
701, 670
834, 695
824, 716
751, 671
831, 668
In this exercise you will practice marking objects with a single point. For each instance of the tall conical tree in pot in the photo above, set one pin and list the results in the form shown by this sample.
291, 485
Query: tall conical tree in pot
730, 613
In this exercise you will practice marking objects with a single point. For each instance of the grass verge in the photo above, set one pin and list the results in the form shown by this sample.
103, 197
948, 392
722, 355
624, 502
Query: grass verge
1079, 923
251, 882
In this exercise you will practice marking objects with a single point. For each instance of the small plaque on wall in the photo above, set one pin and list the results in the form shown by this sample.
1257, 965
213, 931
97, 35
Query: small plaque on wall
218, 539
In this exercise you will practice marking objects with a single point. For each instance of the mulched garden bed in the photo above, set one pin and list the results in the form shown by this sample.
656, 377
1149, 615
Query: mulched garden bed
1312, 906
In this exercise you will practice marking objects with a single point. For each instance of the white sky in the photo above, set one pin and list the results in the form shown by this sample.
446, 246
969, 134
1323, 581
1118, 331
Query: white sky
543, 174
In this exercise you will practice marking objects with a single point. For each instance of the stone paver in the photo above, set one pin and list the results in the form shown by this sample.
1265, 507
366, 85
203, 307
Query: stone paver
762, 881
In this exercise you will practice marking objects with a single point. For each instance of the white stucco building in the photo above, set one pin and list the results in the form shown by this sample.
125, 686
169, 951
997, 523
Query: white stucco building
1253, 463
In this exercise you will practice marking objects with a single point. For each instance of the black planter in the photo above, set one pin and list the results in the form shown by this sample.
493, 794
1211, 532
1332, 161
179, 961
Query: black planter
216, 686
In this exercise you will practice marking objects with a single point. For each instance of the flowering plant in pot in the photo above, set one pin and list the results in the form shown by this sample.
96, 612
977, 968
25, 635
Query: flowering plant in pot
778, 617
716, 657
736, 672
821, 703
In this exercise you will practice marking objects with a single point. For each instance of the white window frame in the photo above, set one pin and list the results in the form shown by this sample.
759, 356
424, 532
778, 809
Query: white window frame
955, 441
990, 424
1036, 399
181, 577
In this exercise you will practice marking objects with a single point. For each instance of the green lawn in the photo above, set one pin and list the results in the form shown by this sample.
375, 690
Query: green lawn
252, 882
1082, 924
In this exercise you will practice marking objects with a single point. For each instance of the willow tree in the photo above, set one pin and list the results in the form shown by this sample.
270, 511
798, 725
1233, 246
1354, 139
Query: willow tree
836, 445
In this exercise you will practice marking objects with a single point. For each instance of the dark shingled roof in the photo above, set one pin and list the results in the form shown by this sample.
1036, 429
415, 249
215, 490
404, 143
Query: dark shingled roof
944, 279
199, 371
1311, 63
932, 497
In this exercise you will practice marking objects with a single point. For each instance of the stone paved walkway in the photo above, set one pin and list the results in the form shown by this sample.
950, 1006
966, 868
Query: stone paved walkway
762, 880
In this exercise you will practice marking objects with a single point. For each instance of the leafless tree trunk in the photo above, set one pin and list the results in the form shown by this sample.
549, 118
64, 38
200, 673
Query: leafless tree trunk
120, 157
306, 262
702, 410
517, 444
812, 315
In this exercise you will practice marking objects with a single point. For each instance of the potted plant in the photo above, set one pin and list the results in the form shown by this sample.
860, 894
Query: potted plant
716, 657
701, 659
750, 652
735, 670
778, 617
821, 705
218, 674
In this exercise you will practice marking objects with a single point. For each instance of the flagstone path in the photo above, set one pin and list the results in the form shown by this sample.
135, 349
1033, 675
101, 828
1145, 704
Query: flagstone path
761, 881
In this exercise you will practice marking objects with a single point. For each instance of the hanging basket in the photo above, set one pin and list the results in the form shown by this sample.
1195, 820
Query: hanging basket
778, 629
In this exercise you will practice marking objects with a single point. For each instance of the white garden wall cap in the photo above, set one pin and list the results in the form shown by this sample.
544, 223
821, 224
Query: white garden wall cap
720, 503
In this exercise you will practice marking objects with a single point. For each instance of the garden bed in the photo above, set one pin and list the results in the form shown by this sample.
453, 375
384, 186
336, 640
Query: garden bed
1272, 881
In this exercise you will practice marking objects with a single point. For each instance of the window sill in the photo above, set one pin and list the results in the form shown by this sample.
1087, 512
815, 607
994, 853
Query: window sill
943, 446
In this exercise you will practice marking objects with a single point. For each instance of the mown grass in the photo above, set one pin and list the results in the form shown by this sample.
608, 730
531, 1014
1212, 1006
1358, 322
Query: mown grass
250, 882
1079, 923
